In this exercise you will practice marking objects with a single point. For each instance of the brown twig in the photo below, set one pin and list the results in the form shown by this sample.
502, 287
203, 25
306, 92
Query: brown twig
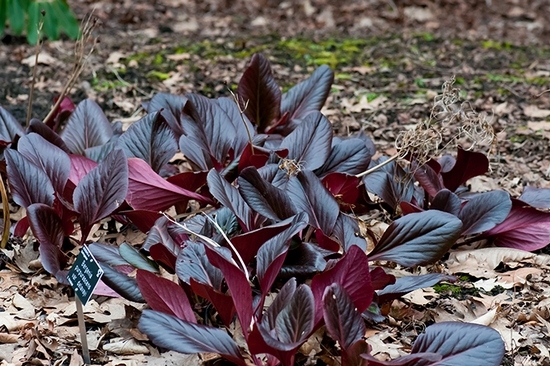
81, 55
37, 50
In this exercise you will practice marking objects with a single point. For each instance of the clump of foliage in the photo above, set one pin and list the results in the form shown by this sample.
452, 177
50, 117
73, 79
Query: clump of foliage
267, 234
27, 15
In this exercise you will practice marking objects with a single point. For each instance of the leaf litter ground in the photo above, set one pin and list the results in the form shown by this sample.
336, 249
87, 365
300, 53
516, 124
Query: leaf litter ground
390, 61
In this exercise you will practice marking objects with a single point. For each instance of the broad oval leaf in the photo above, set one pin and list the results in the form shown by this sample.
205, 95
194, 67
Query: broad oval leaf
258, 93
165, 296
295, 322
150, 139
171, 107
272, 254
47, 133
108, 254
47, 228
525, 228
536, 197
352, 273
407, 284
349, 156
344, 323
308, 194
461, 344
9, 127
102, 190
418, 238
468, 164
266, 199
446, 201
123, 285
54, 161
230, 197
29, 184
87, 127
149, 191
192, 263
308, 95
484, 211
309, 144
175, 334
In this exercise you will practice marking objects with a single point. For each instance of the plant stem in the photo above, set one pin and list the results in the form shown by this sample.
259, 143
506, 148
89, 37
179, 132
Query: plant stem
37, 50
374, 168
5, 215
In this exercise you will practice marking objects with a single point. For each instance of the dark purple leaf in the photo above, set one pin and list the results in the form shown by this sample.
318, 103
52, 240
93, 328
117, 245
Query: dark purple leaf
468, 164
87, 127
175, 334
309, 95
352, 273
165, 296
164, 257
196, 153
536, 197
303, 260
125, 286
446, 201
53, 161
349, 156
230, 197
150, 139
171, 107
47, 228
247, 244
207, 126
99, 153
344, 188
148, 190
309, 144
267, 200
461, 344
47, 133
221, 301
143, 219
308, 194
244, 130
80, 166
418, 238
272, 254
391, 183
428, 178
238, 285
346, 230
101, 191
192, 263
257, 159
407, 284
258, 93
380, 279
484, 211
9, 127
29, 184
296, 320
525, 228
344, 323
163, 233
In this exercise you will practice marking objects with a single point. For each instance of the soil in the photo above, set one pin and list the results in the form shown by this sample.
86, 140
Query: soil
390, 57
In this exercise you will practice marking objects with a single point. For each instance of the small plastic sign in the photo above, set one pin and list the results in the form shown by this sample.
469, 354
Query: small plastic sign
84, 275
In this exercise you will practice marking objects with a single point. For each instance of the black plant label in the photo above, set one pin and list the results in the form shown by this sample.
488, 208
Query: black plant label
84, 275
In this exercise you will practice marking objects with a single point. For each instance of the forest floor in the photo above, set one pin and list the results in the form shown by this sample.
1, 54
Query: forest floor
390, 59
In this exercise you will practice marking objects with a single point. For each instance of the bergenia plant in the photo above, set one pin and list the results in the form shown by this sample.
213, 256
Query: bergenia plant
265, 239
